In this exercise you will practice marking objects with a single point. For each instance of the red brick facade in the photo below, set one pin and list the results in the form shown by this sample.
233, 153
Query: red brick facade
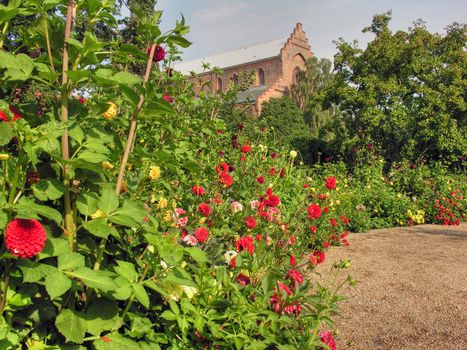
274, 75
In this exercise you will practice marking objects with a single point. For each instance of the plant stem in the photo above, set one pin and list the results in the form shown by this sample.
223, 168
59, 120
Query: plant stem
68, 215
100, 254
5, 29
14, 181
47, 41
4, 296
132, 132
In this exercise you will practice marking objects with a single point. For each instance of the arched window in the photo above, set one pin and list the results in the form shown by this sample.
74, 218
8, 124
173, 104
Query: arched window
261, 79
219, 85
296, 75
235, 78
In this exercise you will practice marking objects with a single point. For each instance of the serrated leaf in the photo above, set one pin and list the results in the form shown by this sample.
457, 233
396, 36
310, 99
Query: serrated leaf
101, 280
87, 203
98, 227
48, 189
101, 315
126, 270
6, 133
70, 261
34, 272
108, 202
141, 295
123, 220
27, 209
116, 342
197, 254
72, 325
57, 284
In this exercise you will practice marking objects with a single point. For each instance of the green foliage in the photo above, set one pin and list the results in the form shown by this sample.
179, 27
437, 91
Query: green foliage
287, 124
405, 91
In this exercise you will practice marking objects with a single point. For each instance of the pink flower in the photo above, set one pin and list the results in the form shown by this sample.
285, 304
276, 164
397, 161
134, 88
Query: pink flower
168, 98
236, 207
190, 240
328, 339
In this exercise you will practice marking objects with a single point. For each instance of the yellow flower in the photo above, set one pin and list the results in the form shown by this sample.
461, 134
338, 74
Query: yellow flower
202, 221
98, 214
154, 172
338, 202
162, 203
107, 165
129, 166
168, 216
111, 112
4, 156
190, 291
293, 154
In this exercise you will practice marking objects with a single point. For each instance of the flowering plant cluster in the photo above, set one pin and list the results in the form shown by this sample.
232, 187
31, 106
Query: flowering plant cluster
121, 230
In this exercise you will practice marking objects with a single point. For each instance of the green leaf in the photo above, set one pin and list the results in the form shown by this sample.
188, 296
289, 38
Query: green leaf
123, 220
101, 315
57, 284
168, 315
141, 295
6, 133
34, 272
71, 325
78, 75
126, 270
98, 227
108, 202
92, 157
87, 203
70, 261
116, 342
54, 247
136, 211
48, 189
76, 133
27, 209
126, 78
101, 280
197, 254
161, 107
192, 167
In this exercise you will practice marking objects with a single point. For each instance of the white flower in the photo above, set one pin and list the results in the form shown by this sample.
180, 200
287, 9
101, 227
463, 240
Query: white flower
190, 240
236, 207
229, 255
164, 264
254, 204
190, 291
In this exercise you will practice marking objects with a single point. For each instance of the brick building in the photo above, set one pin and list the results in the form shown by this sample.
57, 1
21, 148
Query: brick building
274, 65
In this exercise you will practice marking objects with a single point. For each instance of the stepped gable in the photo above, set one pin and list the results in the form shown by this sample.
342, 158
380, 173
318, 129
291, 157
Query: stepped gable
275, 65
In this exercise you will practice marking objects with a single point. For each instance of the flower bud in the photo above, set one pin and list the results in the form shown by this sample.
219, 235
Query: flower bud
293, 154
4, 156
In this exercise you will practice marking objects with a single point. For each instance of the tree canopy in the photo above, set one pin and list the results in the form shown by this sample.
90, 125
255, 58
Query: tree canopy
405, 91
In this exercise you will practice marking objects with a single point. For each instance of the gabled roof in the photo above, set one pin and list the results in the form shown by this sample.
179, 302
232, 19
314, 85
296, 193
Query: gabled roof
235, 57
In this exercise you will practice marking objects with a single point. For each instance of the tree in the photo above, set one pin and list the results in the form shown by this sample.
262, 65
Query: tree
405, 91
288, 124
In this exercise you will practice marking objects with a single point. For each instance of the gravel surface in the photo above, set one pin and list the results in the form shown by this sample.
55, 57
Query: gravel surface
412, 290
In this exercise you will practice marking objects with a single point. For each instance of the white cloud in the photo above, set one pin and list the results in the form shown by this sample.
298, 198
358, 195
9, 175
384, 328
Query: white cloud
221, 11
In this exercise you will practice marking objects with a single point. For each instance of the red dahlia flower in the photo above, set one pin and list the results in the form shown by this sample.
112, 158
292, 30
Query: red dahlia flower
246, 148
314, 211
205, 209
197, 190
319, 256
245, 243
159, 53
272, 200
333, 222
292, 260
16, 113
260, 179
3, 117
250, 222
344, 219
243, 279
225, 179
25, 238
201, 234
331, 182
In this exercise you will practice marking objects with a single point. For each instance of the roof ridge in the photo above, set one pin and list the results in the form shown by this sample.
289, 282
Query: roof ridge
237, 49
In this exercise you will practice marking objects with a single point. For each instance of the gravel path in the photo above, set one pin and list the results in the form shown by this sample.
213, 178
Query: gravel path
412, 290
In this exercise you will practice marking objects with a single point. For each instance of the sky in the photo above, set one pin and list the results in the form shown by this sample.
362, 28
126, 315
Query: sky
222, 25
